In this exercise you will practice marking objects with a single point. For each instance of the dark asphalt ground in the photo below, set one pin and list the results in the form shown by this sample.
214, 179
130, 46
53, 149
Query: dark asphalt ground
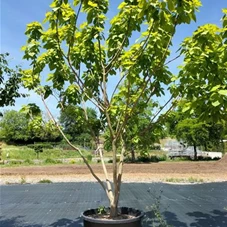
61, 204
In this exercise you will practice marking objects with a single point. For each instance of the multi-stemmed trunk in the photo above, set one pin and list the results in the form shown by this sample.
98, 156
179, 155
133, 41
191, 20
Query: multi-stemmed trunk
117, 175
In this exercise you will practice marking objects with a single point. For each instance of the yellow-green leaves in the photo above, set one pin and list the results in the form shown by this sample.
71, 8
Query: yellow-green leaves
34, 31
171, 5
76, 2
203, 76
122, 5
92, 4
223, 92
30, 80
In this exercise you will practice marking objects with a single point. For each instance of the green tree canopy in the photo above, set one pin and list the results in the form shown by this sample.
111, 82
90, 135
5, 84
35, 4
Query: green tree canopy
14, 127
10, 81
74, 122
203, 80
211, 133
83, 51
192, 132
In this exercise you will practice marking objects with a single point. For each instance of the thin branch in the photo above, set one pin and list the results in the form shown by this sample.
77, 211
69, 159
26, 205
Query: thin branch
141, 52
172, 59
149, 77
108, 184
120, 172
74, 28
111, 63
82, 87
116, 87
159, 111
74, 147
58, 40
126, 108
80, 82
103, 88
114, 150
59, 101
165, 114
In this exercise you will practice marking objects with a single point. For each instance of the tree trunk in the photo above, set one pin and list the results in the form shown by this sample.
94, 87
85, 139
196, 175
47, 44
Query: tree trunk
113, 209
205, 145
114, 202
133, 154
195, 152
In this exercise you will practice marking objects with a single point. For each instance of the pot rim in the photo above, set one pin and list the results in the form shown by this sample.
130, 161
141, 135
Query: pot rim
111, 221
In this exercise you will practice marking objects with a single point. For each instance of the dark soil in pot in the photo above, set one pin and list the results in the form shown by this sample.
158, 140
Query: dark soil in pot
128, 217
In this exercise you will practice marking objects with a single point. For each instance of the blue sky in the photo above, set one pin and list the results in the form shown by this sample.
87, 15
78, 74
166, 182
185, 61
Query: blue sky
15, 14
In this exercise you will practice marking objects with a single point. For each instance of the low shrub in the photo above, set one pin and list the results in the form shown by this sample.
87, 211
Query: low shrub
52, 161
45, 181
23, 180
44, 145
194, 180
128, 160
28, 161
144, 159
72, 161
162, 158
15, 162
89, 157
178, 159
201, 158
154, 158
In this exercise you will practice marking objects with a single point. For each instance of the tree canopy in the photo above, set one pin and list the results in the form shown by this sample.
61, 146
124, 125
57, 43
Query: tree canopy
203, 80
74, 123
10, 81
17, 127
83, 50
194, 130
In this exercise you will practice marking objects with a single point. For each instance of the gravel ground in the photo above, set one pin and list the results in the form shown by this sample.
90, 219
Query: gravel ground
173, 172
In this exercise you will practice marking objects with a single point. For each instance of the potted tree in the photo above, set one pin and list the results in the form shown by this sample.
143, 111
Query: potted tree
113, 65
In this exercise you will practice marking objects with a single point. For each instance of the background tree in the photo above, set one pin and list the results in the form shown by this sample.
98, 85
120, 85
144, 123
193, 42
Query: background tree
216, 137
193, 133
10, 82
178, 119
39, 129
139, 135
43, 131
14, 127
202, 78
74, 122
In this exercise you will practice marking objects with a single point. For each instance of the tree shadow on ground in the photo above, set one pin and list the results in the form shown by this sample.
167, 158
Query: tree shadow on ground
166, 219
67, 222
19, 222
15, 222
216, 218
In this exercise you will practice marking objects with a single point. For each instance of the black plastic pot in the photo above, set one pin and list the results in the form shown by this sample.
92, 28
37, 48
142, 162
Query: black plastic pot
90, 221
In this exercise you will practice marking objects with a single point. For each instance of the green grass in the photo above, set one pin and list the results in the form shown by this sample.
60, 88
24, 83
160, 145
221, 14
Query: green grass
25, 156
25, 153
195, 180
23, 180
183, 180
